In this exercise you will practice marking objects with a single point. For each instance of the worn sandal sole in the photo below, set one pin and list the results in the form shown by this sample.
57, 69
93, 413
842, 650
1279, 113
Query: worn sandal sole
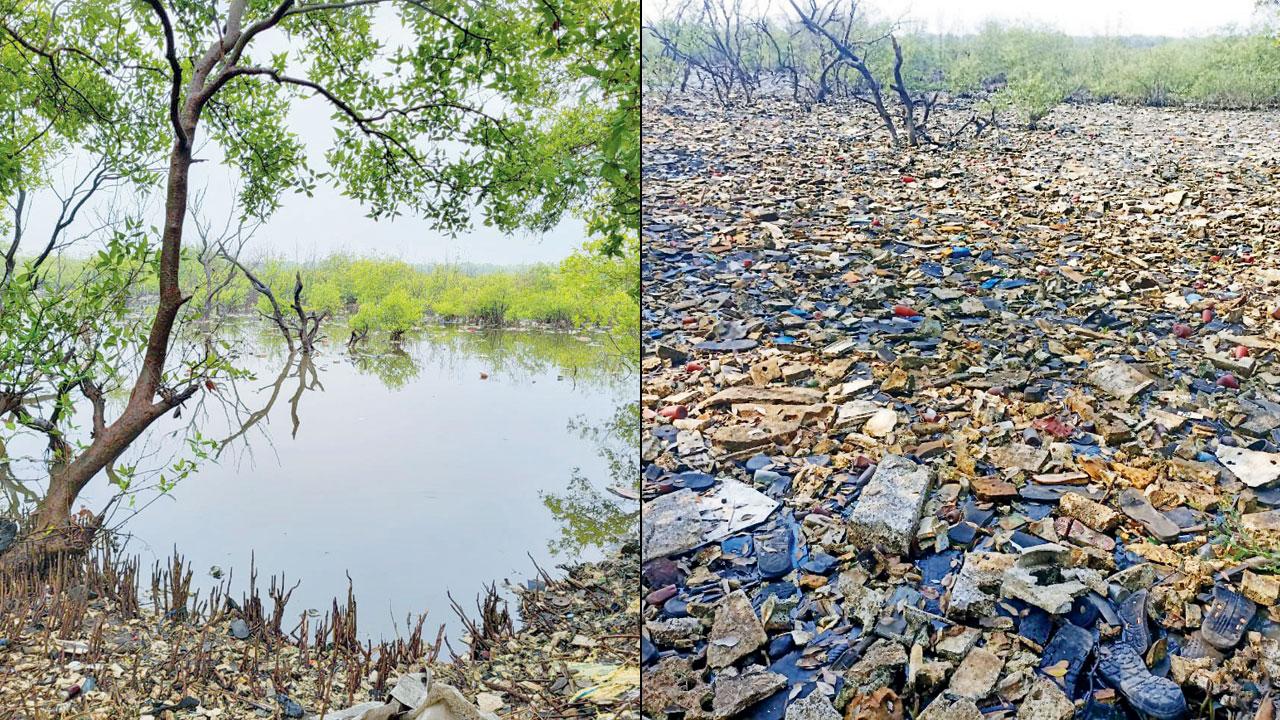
1124, 670
1195, 647
1227, 618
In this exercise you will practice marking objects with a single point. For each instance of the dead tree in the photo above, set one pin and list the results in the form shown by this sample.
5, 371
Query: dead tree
785, 63
717, 50
813, 19
725, 20
827, 76
306, 328
917, 129
213, 246
915, 110
697, 65
979, 122
357, 334
308, 321
829, 67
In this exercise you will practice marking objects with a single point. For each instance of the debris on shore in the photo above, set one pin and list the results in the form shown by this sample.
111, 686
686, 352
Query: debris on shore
983, 432
86, 641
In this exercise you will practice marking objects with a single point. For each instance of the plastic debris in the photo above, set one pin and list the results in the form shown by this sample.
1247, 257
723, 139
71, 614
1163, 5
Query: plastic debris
993, 395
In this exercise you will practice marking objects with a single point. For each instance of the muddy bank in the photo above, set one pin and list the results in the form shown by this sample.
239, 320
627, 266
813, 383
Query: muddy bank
85, 644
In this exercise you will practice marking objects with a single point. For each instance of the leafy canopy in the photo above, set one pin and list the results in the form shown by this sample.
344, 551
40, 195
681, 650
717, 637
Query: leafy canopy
526, 111
529, 110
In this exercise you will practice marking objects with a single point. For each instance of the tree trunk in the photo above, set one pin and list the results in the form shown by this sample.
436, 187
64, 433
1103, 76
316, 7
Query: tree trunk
308, 322
904, 95
877, 98
53, 531
277, 316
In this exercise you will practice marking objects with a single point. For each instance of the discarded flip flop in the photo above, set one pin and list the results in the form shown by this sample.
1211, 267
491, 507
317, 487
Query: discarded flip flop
1133, 622
1123, 669
1134, 504
1065, 656
1227, 618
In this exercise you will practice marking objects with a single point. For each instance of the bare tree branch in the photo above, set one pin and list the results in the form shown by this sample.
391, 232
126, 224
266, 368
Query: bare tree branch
175, 68
277, 316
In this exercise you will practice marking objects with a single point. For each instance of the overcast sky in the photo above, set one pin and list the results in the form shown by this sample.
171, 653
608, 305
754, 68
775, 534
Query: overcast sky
307, 228
327, 223
313, 227
1079, 17
1177, 18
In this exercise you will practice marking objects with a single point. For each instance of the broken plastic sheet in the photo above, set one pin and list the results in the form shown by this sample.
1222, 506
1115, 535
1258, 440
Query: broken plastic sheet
682, 521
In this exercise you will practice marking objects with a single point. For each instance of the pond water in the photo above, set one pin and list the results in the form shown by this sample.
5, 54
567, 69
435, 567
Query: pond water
401, 467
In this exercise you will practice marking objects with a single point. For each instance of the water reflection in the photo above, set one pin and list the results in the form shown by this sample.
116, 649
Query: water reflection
588, 517
15, 492
400, 465
297, 365
395, 367
520, 354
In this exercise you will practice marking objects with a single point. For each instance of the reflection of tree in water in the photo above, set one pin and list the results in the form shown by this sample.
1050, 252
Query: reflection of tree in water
395, 367
589, 517
519, 355
299, 365
514, 354
238, 414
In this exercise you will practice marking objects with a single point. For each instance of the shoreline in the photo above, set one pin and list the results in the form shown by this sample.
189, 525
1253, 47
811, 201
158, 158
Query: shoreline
81, 644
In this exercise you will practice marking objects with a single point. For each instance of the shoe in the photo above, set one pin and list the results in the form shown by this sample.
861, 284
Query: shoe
1194, 646
1133, 622
1227, 618
1073, 644
1149, 694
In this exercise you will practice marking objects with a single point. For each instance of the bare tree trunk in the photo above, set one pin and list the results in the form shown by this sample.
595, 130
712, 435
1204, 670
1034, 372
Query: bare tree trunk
824, 87
904, 95
877, 98
206, 262
308, 323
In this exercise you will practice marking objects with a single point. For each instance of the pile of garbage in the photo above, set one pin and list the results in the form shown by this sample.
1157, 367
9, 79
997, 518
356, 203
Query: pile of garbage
938, 434
83, 641
416, 696
575, 653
